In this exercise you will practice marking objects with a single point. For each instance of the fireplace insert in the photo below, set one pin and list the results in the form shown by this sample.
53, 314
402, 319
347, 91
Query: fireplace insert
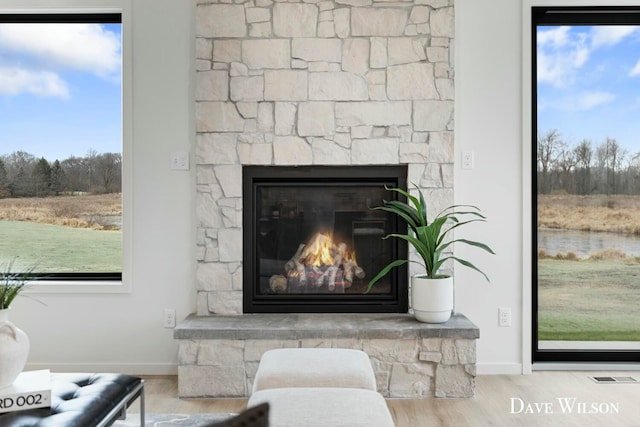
312, 242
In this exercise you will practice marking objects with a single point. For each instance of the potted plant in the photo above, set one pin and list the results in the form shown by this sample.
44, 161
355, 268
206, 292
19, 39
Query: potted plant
14, 343
432, 292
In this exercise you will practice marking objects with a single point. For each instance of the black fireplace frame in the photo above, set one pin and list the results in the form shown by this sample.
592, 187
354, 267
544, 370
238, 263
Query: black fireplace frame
253, 302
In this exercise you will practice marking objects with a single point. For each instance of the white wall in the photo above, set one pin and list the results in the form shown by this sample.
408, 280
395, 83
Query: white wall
488, 122
124, 331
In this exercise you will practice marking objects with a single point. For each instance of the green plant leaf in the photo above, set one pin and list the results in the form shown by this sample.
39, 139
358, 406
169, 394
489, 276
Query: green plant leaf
466, 264
406, 210
384, 272
421, 247
422, 209
471, 243
453, 208
428, 239
409, 197
477, 245
12, 283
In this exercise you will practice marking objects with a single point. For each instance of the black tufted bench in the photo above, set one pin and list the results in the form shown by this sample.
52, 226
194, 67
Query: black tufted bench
82, 400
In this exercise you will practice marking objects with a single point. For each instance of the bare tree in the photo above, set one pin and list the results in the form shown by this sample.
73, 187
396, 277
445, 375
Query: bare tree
4, 181
607, 169
108, 171
566, 162
547, 153
583, 153
77, 177
90, 163
634, 174
22, 175
610, 156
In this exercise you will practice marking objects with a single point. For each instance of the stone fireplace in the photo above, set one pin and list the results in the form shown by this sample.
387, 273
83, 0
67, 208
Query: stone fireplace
317, 84
332, 83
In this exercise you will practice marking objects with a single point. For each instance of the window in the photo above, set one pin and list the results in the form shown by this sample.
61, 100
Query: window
586, 184
61, 157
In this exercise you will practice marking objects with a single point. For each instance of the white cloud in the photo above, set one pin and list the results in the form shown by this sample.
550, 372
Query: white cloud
15, 80
582, 101
609, 35
590, 100
556, 37
560, 55
563, 52
635, 71
85, 47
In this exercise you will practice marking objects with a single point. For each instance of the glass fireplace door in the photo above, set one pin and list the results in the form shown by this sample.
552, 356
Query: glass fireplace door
316, 241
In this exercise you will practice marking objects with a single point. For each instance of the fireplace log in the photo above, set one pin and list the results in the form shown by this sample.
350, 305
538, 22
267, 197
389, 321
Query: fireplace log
331, 279
337, 260
349, 272
291, 265
278, 283
301, 274
318, 277
351, 269
333, 270
301, 271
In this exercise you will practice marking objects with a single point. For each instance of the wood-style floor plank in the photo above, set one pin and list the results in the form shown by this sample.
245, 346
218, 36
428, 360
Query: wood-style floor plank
492, 405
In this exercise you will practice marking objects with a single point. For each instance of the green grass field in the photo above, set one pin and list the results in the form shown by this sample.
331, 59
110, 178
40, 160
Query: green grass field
589, 300
60, 249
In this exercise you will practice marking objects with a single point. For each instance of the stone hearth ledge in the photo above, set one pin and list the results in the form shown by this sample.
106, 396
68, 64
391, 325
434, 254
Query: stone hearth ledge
219, 355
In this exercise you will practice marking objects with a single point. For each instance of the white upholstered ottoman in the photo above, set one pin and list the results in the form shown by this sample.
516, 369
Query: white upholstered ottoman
324, 407
314, 367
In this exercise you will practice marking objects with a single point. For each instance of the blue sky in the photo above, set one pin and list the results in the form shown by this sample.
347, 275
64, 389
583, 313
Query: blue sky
589, 83
60, 89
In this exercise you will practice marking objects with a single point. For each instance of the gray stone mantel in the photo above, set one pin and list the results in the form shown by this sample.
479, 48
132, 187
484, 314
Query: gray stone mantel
317, 326
219, 355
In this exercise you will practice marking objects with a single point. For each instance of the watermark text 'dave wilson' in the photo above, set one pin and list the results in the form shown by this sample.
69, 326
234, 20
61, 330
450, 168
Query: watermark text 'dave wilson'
562, 405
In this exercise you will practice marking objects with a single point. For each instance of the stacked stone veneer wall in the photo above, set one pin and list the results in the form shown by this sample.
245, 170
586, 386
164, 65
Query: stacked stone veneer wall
333, 82
404, 368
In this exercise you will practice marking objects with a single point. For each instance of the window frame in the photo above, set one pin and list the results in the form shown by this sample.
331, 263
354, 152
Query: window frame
93, 282
552, 13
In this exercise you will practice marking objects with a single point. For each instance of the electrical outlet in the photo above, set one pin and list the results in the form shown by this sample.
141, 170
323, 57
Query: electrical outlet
169, 318
467, 160
504, 317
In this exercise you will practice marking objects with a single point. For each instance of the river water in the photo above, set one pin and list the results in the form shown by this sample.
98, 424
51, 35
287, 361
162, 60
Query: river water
585, 243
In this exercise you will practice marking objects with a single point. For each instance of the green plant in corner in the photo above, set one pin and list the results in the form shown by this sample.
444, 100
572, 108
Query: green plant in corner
428, 238
12, 283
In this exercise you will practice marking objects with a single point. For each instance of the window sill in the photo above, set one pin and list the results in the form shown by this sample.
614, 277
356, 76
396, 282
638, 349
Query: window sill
79, 287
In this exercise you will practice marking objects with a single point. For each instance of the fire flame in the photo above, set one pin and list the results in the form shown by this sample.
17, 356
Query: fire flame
322, 251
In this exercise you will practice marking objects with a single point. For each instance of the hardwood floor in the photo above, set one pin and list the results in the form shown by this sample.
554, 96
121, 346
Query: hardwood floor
541, 399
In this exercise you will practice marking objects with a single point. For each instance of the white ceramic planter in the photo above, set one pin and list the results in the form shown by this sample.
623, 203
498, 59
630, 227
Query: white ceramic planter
432, 299
14, 350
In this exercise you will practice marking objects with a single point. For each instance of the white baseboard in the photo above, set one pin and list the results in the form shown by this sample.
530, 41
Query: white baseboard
124, 368
499, 369
516, 368
586, 366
